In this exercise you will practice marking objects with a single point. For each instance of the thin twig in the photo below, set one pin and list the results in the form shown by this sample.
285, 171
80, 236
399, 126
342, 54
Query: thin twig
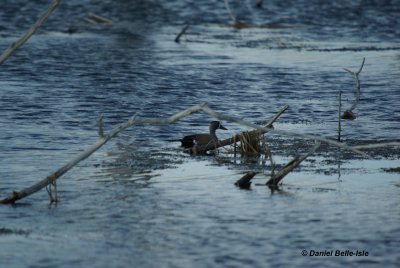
14, 46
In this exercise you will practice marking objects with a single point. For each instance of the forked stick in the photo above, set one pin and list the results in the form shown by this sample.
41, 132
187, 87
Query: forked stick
349, 111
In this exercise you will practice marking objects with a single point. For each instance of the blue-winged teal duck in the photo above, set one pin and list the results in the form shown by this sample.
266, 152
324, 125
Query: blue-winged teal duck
202, 139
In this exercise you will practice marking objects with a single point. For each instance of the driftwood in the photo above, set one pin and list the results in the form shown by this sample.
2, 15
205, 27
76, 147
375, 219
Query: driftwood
135, 120
182, 32
348, 114
245, 181
276, 178
104, 138
96, 19
14, 46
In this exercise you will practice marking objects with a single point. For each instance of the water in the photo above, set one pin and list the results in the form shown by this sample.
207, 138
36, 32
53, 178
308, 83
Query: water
140, 201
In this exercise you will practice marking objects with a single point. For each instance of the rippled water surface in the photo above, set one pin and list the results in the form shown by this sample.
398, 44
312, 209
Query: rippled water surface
140, 201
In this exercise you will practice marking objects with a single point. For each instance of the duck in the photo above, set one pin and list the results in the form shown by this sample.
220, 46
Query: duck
202, 139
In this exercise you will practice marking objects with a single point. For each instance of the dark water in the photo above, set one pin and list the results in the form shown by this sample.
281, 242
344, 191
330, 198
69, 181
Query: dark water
139, 201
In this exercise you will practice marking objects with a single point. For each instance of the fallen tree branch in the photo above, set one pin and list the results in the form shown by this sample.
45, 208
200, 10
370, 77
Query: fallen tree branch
14, 196
135, 120
295, 162
376, 145
14, 46
348, 114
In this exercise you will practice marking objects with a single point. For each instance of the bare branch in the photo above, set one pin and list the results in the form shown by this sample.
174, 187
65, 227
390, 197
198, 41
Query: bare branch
182, 32
376, 145
275, 179
135, 120
358, 89
14, 46
14, 196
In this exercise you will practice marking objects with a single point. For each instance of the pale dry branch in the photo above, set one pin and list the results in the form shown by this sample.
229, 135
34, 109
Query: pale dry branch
358, 86
376, 145
136, 120
96, 19
14, 46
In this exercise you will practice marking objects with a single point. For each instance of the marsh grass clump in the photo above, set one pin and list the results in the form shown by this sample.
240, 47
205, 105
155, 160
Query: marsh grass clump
252, 143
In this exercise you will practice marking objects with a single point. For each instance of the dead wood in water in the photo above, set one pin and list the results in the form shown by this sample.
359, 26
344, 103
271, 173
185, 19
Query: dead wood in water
136, 120
245, 181
295, 162
96, 19
349, 114
182, 32
14, 46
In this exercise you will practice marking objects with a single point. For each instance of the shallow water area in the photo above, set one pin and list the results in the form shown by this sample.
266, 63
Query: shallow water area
140, 201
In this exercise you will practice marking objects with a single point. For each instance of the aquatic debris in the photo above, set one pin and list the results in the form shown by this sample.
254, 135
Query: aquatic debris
245, 181
15, 45
276, 178
182, 32
136, 120
348, 114
96, 19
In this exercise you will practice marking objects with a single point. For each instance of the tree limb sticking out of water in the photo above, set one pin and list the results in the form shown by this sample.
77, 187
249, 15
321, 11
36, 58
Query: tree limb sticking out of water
348, 114
136, 120
14, 46
245, 181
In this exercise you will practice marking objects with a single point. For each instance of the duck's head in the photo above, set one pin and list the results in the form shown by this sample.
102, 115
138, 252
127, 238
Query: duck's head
214, 125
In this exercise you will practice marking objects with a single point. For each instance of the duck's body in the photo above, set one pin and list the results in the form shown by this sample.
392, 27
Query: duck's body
202, 139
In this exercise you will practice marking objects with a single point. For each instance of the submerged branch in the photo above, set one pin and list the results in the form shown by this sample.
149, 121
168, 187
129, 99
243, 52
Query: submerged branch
182, 32
134, 120
295, 162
